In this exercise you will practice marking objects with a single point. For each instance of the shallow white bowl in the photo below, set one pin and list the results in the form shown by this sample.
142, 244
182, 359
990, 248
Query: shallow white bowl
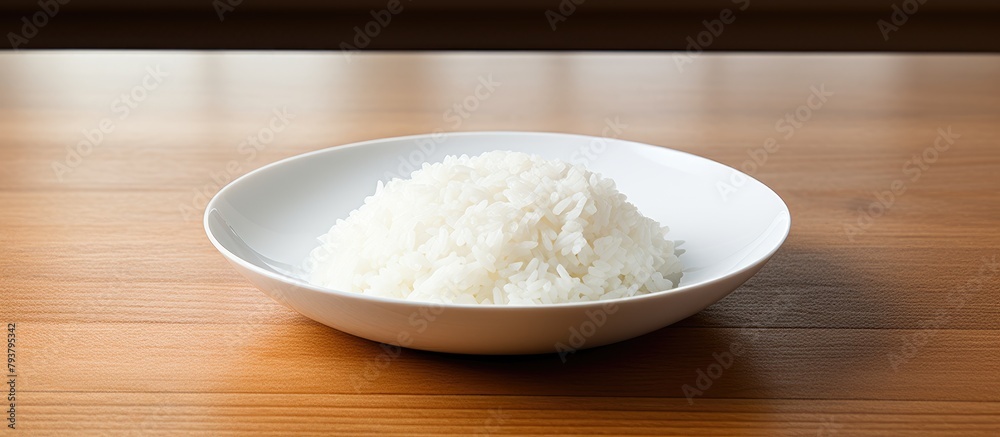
731, 225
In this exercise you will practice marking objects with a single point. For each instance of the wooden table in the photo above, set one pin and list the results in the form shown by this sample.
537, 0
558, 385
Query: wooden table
879, 315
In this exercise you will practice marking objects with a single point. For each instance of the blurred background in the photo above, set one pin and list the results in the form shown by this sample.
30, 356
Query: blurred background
764, 25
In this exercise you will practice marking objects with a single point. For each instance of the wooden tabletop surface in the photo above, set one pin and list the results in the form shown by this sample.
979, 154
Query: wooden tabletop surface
879, 315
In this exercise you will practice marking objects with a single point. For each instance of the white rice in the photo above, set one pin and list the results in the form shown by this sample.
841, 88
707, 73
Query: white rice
502, 228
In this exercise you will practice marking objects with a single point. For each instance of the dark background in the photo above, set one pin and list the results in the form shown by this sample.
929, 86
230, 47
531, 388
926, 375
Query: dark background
772, 25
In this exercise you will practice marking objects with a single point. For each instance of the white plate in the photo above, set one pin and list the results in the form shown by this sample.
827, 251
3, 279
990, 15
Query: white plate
279, 210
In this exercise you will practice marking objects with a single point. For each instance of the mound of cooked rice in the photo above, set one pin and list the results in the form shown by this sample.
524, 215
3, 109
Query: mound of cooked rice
502, 228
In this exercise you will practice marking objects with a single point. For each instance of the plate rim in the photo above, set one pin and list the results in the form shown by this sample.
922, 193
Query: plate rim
684, 289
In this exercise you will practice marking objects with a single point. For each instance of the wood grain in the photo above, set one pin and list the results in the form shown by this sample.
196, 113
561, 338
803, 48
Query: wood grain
130, 323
